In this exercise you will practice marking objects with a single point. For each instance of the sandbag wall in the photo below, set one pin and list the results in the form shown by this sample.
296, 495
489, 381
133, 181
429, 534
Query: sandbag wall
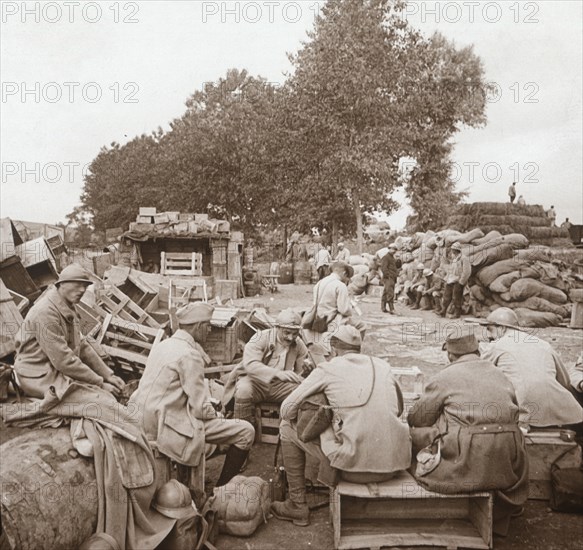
506, 272
505, 218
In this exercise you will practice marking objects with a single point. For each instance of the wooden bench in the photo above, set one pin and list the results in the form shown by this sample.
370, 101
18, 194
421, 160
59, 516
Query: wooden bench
543, 447
399, 512
267, 422
270, 282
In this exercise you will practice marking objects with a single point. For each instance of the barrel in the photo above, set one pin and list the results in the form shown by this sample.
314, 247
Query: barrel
286, 273
302, 273
49, 495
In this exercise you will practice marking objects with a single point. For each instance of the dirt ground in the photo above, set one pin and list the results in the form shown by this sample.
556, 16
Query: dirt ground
412, 338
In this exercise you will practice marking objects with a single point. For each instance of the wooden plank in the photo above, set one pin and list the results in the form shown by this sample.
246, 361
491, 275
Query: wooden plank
128, 340
362, 508
125, 354
403, 485
481, 514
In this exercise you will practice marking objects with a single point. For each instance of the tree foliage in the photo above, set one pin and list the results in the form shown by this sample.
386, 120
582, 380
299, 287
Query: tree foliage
324, 149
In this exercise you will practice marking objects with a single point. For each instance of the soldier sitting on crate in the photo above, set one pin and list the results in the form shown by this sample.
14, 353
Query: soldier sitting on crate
174, 405
366, 440
51, 352
541, 381
273, 362
465, 432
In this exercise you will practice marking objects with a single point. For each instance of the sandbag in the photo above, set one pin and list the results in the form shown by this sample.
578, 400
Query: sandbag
381, 253
517, 240
356, 259
535, 303
423, 254
360, 269
479, 294
491, 255
240, 506
467, 238
491, 236
416, 240
528, 288
504, 282
533, 254
489, 274
536, 319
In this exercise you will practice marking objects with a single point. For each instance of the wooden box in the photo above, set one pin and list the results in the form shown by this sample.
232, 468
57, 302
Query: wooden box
147, 210
201, 217
399, 512
145, 219
267, 421
543, 447
221, 344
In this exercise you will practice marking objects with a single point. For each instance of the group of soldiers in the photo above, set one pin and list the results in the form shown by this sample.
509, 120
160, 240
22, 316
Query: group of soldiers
367, 439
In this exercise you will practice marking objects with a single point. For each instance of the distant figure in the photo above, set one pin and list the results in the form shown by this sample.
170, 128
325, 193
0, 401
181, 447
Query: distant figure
323, 261
343, 254
566, 224
552, 215
512, 192
521, 201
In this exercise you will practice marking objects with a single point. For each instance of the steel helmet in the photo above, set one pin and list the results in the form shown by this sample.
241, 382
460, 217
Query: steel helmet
74, 273
173, 500
100, 541
288, 318
504, 317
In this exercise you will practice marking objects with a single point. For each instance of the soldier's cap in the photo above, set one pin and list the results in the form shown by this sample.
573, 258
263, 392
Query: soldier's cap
427, 272
74, 273
289, 319
198, 312
461, 343
346, 336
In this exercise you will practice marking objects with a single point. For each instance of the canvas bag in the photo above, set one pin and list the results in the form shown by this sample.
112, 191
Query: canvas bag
315, 414
314, 322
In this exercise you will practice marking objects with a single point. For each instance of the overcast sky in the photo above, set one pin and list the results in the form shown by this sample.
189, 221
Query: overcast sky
74, 80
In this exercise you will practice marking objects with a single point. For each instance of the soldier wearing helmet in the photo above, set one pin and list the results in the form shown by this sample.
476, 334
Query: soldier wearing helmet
457, 274
536, 371
273, 362
51, 351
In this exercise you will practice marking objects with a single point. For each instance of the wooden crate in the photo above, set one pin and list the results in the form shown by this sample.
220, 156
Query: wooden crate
147, 210
10, 322
112, 300
221, 344
400, 512
267, 422
16, 278
181, 263
543, 447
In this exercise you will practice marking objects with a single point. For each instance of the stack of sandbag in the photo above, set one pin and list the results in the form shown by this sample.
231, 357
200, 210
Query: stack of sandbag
527, 282
506, 218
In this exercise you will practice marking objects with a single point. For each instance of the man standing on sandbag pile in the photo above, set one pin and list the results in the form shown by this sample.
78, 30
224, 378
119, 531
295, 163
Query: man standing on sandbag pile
536, 371
273, 362
457, 274
390, 272
512, 192
366, 441
174, 404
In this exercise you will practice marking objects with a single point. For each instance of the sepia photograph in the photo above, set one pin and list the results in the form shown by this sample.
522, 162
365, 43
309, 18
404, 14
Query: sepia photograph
291, 275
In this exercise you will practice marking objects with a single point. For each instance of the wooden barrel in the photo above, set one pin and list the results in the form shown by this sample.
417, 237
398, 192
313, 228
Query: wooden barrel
302, 273
49, 498
286, 273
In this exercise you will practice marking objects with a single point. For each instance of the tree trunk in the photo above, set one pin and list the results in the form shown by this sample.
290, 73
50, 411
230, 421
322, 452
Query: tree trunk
334, 238
284, 251
359, 235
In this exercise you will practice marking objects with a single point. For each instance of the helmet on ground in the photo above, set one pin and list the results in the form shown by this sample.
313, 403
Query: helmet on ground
173, 500
100, 541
